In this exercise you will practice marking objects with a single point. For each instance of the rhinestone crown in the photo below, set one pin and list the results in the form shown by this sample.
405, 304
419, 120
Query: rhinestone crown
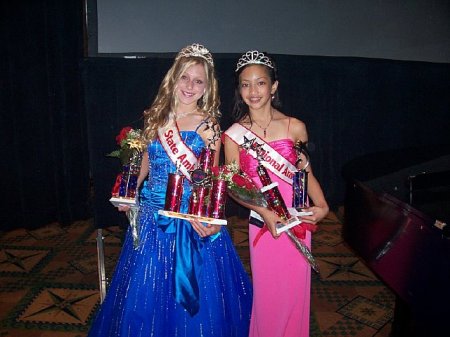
197, 50
253, 57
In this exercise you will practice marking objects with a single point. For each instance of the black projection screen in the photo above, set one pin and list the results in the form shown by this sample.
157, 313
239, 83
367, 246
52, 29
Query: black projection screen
417, 30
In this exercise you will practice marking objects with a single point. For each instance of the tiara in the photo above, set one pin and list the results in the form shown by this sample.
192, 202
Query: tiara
197, 50
253, 57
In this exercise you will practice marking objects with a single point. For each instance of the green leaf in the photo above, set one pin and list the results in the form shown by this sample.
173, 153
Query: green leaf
115, 154
125, 155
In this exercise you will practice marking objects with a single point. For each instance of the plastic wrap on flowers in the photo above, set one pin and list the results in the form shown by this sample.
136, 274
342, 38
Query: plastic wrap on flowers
132, 215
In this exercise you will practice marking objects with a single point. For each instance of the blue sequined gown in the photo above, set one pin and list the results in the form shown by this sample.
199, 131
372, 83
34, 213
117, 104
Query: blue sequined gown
141, 297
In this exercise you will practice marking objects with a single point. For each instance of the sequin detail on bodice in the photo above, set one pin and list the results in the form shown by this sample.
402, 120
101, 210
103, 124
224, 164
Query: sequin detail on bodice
285, 147
161, 165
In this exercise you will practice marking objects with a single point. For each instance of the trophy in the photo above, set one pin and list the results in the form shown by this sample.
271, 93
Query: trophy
272, 193
269, 189
208, 196
198, 201
218, 193
208, 193
126, 192
174, 191
276, 203
300, 179
218, 198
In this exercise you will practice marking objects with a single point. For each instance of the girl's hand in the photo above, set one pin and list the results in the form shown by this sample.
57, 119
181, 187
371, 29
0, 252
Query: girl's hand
123, 208
318, 214
271, 219
204, 230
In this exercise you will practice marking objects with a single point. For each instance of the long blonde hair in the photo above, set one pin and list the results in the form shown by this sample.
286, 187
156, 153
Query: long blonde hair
165, 102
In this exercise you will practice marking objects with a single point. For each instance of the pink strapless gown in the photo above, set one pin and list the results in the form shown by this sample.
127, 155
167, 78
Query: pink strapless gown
281, 276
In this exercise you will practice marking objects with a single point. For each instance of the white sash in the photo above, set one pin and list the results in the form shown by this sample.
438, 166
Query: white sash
273, 161
180, 154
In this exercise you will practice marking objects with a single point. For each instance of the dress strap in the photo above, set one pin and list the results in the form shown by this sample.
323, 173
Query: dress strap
289, 125
201, 123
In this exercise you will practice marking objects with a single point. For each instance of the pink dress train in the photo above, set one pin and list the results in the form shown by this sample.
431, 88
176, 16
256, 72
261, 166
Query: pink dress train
281, 276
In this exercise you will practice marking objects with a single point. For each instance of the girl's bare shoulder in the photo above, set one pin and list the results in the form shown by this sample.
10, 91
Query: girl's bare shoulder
294, 123
297, 129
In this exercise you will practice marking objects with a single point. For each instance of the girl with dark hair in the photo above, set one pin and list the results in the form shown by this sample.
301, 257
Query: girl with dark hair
281, 275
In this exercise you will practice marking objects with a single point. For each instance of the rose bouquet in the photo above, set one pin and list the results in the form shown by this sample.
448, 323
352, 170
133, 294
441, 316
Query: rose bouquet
239, 184
130, 142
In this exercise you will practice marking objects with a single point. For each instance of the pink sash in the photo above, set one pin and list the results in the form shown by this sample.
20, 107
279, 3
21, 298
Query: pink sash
273, 161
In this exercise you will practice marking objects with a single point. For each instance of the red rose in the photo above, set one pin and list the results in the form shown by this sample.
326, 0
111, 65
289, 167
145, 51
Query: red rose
249, 184
123, 134
239, 180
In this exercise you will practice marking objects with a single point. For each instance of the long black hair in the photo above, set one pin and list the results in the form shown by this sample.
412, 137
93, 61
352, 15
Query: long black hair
240, 108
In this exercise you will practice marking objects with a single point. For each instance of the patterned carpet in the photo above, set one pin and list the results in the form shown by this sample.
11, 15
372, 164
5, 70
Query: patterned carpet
49, 281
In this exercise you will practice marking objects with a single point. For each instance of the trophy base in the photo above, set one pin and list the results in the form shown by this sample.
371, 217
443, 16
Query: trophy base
188, 217
298, 212
121, 201
294, 221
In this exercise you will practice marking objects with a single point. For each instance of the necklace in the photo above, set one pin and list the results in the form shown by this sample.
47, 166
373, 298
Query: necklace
265, 128
183, 114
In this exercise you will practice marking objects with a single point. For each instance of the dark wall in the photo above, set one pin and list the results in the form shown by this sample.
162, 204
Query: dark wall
351, 106
44, 164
